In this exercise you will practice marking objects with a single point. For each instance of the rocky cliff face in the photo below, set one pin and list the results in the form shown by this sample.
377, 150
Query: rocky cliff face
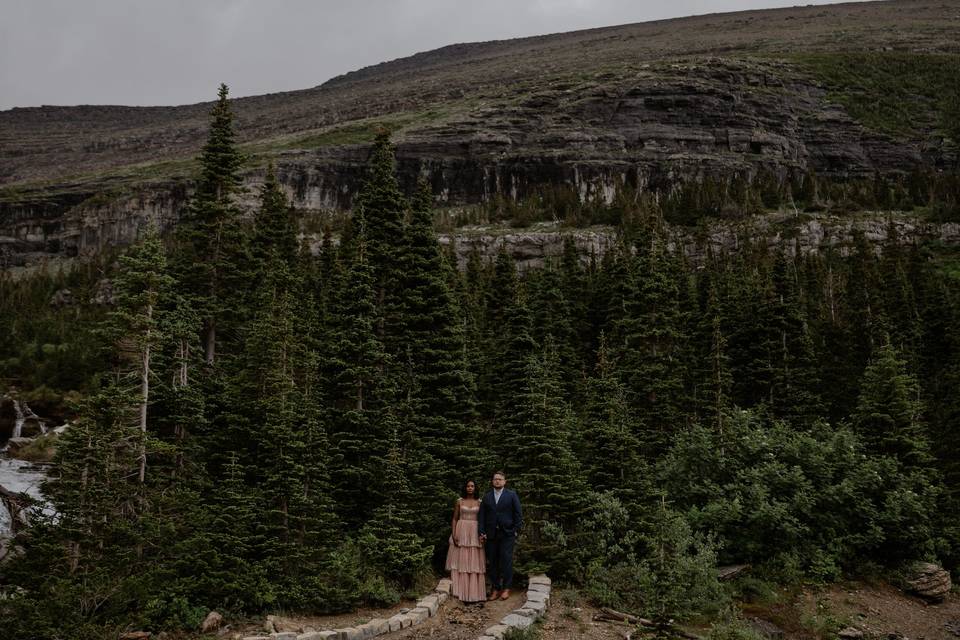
645, 106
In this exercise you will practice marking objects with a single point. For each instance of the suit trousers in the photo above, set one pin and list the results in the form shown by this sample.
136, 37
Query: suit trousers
499, 551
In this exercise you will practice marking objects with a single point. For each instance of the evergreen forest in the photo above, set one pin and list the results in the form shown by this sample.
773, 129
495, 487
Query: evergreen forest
260, 428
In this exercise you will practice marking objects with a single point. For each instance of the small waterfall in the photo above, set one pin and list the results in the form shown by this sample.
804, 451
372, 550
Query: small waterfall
18, 424
29, 414
24, 413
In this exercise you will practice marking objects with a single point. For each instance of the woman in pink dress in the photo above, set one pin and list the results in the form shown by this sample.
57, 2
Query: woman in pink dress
465, 559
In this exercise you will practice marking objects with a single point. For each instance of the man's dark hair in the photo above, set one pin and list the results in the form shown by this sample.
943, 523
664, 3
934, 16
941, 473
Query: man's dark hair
476, 489
500, 473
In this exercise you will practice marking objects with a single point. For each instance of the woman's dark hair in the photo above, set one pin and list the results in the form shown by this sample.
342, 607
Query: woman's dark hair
476, 489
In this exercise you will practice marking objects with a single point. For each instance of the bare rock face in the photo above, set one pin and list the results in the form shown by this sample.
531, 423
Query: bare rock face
929, 581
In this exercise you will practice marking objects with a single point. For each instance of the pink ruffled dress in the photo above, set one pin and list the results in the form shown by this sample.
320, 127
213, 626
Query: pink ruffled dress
465, 561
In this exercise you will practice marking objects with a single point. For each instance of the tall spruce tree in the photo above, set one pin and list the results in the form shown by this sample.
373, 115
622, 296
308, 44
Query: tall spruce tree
511, 354
547, 474
389, 537
360, 388
383, 208
609, 442
439, 384
651, 357
210, 241
794, 382
889, 414
274, 233
141, 287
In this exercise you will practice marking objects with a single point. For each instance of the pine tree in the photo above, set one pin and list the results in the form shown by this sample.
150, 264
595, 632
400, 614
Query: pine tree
511, 354
574, 284
609, 441
389, 537
360, 389
712, 378
382, 207
229, 545
501, 318
439, 384
889, 413
548, 477
210, 243
274, 233
651, 358
794, 384
112, 516
551, 317
141, 287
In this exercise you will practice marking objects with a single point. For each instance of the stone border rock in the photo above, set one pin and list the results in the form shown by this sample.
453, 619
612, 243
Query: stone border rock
535, 607
427, 607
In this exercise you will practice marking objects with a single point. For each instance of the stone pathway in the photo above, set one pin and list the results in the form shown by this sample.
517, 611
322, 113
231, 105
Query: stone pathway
494, 618
535, 607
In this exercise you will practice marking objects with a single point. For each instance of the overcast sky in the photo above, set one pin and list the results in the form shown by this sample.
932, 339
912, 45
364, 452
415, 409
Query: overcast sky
164, 52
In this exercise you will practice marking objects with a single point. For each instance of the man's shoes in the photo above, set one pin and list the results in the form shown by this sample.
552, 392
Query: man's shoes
505, 594
494, 595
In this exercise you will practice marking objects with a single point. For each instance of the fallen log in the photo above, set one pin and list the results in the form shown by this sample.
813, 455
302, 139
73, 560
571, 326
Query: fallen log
612, 615
731, 572
617, 616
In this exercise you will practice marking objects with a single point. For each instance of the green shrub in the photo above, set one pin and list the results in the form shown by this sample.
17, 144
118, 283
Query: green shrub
731, 626
171, 613
805, 503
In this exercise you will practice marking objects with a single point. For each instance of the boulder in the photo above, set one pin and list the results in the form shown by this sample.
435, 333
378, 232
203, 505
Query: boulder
16, 444
104, 293
928, 581
135, 635
497, 630
211, 623
850, 633
765, 628
32, 427
62, 298
269, 625
514, 620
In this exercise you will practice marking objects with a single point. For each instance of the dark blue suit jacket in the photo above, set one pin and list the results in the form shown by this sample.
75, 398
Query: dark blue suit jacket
504, 517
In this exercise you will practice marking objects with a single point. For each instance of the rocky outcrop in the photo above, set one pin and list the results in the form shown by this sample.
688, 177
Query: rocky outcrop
804, 233
928, 581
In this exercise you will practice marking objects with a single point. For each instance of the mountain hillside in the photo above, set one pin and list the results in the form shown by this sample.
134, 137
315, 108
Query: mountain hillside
847, 91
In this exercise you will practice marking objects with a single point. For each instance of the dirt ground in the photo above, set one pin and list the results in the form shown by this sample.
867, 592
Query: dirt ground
881, 611
884, 610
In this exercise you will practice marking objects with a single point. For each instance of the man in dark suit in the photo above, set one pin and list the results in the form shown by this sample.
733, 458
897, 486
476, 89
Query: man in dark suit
499, 524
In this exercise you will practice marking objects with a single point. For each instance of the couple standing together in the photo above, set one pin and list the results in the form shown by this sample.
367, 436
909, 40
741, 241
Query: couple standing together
487, 526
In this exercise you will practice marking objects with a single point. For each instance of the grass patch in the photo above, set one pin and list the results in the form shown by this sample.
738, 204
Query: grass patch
899, 94
355, 132
822, 621
98, 188
42, 449
530, 633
